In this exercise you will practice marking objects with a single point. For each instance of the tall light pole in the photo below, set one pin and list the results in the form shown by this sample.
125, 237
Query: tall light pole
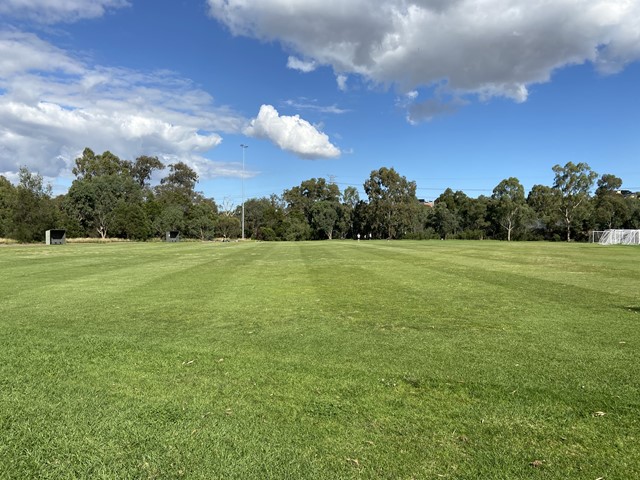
244, 147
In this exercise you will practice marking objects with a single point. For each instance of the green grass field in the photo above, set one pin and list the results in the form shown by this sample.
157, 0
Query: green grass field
325, 360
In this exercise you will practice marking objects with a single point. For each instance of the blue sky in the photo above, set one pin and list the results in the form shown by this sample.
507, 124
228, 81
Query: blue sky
458, 94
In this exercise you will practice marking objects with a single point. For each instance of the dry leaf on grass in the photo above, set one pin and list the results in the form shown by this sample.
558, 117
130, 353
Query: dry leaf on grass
355, 461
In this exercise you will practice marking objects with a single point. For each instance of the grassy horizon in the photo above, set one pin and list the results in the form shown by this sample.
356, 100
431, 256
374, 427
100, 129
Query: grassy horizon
332, 359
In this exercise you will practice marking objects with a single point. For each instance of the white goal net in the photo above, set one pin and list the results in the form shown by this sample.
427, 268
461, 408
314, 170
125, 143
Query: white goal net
620, 237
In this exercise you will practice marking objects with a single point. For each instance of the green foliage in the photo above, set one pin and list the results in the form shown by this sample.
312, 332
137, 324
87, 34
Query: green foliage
229, 226
324, 216
611, 210
444, 221
295, 227
113, 197
393, 205
7, 200
509, 205
574, 183
143, 168
201, 221
130, 221
313, 198
171, 217
90, 165
544, 202
94, 201
30, 209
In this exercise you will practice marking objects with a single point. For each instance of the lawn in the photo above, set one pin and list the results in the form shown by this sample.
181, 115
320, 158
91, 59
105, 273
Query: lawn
324, 360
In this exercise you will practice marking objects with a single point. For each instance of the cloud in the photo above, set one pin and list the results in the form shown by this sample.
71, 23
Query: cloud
486, 48
292, 134
53, 105
53, 11
206, 168
25, 52
430, 108
305, 104
297, 64
341, 80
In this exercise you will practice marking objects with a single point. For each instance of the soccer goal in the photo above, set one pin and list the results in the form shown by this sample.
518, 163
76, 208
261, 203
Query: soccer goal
620, 237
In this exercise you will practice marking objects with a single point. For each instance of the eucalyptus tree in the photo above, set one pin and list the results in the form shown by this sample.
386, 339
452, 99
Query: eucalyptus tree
142, 169
255, 212
98, 202
324, 217
175, 196
201, 221
7, 199
444, 220
393, 205
103, 195
509, 205
611, 209
573, 182
544, 202
301, 199
346, 212
90, 165
32, 210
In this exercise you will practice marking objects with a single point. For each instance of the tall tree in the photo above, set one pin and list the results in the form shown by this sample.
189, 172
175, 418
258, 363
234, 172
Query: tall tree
176, 193
301, 199
264, 218
573, 181
33, 211
324, 217
255, 211
509, 204
611, 209
202, 217
90, 165
143, 168
346, 211
456, 205
129, 220
544, 202
94, 202
7, 200
105, 198
443, 220
392, 202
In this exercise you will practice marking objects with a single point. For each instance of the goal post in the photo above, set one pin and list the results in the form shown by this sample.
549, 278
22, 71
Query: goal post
620, 237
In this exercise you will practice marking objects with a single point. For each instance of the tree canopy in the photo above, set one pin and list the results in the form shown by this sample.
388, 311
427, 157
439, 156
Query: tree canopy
143, 199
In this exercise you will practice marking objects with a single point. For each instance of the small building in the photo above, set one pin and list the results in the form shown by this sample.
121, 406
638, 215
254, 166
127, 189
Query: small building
55, 237
173, 236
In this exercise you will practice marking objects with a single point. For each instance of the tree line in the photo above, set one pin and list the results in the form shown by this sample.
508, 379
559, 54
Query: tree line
114, 198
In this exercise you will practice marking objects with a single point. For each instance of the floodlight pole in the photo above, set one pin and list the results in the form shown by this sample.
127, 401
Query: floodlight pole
244, 147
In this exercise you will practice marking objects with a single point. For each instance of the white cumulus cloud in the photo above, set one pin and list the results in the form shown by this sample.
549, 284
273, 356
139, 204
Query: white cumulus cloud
481, 47
291, 133
341, 80
52, 105
53, 11
295, 63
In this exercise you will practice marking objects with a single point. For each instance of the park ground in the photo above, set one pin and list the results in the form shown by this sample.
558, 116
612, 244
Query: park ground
336, 359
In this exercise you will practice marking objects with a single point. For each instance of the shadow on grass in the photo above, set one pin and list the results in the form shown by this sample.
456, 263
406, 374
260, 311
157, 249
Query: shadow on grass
634, 309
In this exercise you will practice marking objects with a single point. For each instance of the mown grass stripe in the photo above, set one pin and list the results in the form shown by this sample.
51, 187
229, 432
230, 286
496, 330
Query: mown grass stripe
294, 360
